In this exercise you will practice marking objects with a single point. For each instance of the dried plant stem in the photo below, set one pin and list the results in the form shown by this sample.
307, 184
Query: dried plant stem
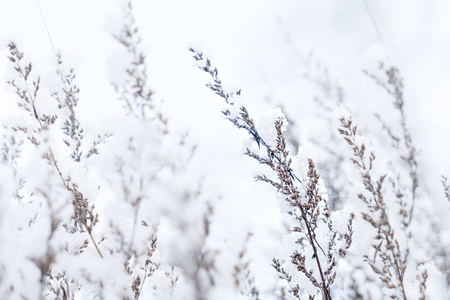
95, 244
279, 161
149, 269
324, 285
394, 87
142, 284
27, 101
388, 249
74, 191
289, 188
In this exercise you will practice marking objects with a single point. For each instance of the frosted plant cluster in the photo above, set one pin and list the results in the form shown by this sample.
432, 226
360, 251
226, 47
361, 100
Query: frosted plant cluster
125, 212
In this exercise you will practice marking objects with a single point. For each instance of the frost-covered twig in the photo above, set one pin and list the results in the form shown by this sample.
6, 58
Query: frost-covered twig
422, 278
305, 208
149, 269
394, 87
135, 92
68, 102
141, 173
387, 247
68, 99
84, 212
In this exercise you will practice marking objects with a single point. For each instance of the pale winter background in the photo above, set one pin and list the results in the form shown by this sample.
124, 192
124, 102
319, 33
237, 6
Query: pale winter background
180, 215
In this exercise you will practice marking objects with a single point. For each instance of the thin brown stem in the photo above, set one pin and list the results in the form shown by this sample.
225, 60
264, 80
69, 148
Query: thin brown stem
325, 291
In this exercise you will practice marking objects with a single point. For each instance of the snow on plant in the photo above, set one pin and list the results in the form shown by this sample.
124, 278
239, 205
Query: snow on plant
388, 249
71, 250
154, 187
414, 209
59, 191
124, 215
392, 249
307, 204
